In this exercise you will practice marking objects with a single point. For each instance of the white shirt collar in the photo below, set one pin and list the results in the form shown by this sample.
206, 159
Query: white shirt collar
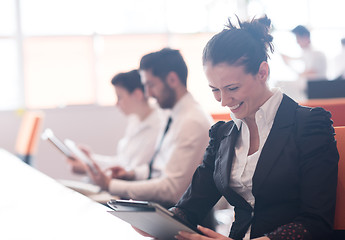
268, 110
182, 103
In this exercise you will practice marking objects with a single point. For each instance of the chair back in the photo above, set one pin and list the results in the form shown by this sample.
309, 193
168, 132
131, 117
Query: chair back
339, 220
28, 135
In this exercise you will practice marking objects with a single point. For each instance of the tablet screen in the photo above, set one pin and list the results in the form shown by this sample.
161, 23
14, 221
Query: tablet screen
49, 135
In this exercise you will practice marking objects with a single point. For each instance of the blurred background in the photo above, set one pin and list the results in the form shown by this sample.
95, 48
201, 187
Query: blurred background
58, 57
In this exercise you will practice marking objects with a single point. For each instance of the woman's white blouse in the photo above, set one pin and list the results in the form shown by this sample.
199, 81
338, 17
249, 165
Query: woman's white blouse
137, 145
243, 166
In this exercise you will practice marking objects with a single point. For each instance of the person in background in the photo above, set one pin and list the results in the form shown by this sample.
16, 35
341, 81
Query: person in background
339, 62
310, 66
144, 123
181, 143
276, 162
315, 62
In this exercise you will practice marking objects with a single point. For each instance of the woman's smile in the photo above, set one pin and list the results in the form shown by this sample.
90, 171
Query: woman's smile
235, 107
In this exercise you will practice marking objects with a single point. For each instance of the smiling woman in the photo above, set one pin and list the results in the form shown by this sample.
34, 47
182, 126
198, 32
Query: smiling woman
242, 92
267, 162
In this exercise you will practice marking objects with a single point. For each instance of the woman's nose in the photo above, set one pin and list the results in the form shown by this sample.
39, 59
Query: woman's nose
224, 100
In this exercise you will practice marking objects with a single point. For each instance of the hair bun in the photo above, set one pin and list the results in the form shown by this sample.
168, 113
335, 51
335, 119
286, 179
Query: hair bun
245, 44
258, 28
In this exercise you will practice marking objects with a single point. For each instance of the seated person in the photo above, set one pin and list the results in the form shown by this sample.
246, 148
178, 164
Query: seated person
276, 162
181, 143
144, 123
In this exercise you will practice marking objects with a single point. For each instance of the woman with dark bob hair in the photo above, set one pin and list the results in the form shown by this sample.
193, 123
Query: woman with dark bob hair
276, 162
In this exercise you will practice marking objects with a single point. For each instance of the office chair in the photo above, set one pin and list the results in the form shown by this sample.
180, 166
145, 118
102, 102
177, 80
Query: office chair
339, 220
28, 135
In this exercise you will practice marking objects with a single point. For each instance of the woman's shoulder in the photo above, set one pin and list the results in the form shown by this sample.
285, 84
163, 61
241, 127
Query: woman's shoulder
314, 121
309, 115
220, 127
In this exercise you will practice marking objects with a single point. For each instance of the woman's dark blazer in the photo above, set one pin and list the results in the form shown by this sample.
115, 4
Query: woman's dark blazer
294, 181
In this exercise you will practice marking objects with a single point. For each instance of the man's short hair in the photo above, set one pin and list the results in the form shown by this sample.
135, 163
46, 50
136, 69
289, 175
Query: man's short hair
163, 62
343, 41
301, 31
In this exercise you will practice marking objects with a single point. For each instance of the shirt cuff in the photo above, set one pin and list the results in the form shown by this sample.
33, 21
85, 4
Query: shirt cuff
119, 188
141, 172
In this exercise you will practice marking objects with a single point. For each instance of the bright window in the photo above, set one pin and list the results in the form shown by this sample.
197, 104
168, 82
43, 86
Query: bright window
120, 53
10, 85
58, 71
7, 18
64, 52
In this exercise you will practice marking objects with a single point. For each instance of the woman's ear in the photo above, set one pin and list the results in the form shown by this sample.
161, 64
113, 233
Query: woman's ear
263, 71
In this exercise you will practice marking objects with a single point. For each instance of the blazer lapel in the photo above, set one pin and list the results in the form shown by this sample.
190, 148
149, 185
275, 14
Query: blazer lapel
223, 164
276, 140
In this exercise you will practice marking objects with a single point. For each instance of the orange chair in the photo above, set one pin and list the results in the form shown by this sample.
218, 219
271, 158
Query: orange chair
335, 105
28, 135
221, 117
339, 220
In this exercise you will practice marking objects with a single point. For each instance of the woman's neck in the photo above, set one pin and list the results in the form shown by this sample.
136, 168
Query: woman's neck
254, 138
253, 128
144, 111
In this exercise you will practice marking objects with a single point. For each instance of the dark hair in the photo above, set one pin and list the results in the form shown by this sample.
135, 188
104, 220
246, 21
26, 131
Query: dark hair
301, 31
245, 45
343, 41
128, 80
163, 62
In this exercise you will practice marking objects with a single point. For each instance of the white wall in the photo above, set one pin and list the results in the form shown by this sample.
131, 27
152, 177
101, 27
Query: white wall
97, 127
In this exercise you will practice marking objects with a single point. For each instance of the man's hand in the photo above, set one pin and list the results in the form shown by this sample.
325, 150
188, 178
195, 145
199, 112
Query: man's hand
121, 173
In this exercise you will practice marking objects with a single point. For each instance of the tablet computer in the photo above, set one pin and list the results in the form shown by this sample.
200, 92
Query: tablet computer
67, 147
151, 218
50, 136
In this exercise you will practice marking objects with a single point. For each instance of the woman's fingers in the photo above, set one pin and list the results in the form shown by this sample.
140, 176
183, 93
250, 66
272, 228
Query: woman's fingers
208, 235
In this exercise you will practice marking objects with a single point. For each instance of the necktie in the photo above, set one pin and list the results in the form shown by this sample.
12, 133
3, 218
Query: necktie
158, 147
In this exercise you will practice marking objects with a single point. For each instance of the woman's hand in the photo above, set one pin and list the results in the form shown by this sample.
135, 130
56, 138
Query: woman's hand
77, 165
98, 176
209, 234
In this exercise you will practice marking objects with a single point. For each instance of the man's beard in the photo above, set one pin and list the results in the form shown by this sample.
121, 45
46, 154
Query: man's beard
168, 98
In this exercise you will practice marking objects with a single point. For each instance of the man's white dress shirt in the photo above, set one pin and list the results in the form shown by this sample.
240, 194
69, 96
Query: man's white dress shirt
339, 64
181, 152
315, 61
